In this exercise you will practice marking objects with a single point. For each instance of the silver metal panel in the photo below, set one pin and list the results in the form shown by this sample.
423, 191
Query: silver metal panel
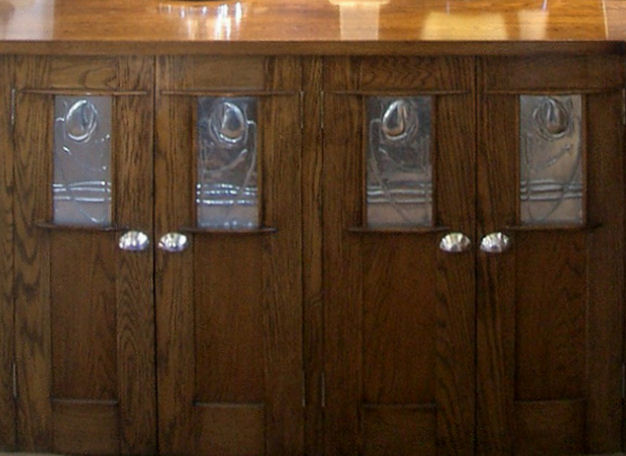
226, 188
81, 185
399, 171
551, 171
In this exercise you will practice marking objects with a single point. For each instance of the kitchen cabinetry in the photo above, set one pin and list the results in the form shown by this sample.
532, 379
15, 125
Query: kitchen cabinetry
229, 308
312, 326
84, 313
534, 326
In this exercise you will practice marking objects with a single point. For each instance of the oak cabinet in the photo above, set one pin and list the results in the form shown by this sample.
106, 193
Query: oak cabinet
510, 344
325, 317
84, 331
229, 308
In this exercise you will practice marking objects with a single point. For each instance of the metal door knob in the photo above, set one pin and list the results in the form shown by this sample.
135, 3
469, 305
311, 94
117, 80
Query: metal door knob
496, 242
134, 241
173, 242
455, 243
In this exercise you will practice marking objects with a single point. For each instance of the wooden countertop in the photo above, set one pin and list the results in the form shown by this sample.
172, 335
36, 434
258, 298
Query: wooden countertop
312, 26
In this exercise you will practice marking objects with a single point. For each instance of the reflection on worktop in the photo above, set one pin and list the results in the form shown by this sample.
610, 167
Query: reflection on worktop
314, 21
16, 18
221, 21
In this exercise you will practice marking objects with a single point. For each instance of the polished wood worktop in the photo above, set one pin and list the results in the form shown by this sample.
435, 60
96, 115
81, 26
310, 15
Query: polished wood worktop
311, 26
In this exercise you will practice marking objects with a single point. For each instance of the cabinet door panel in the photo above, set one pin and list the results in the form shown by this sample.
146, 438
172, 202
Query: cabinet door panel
84, 312
550, 307
399, 312
229, 314
7, 334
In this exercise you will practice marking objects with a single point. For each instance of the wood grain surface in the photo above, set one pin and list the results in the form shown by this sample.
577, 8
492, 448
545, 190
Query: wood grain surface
309, 27
550, 310
399, 315
7, 313
229, 309
85, 319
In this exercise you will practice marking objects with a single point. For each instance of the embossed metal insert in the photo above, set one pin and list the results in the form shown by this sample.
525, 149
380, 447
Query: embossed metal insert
399, 171
81, 188
551, 171
226, 188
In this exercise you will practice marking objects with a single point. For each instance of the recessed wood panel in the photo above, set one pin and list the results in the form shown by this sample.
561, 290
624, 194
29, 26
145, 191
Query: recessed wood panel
83, 316
408, 73
230, 430
85, 427
399, 331
550, 427
229, 319
399, 431
556, 73
550, 315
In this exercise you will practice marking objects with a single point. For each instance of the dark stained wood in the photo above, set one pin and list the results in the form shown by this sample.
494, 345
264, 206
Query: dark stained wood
229, 309
230, 430
496, 178
174, 287
92, 364
550, 315
229, 363
398, 320
605, 309
281, 166
135, 299
550, 309
85, 427
32, 311
312, 250
400, 431
7, 328
550, 427
548, 73
399, 316
455, 193
81, 311
343, 288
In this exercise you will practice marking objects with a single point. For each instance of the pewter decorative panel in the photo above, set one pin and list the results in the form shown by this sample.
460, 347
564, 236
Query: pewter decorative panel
81, 188
399, 171
551, 171
226, 187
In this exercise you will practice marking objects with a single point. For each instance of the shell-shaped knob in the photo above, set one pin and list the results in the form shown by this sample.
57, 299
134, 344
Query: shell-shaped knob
134, 241
552, 118
399, 120
496, 242
455, 243
227, 123
81, 120
173, 242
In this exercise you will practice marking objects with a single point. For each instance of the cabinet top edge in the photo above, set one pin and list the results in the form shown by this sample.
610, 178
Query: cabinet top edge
315, 27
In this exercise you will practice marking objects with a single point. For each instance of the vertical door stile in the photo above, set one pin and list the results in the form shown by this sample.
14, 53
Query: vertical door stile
7, 310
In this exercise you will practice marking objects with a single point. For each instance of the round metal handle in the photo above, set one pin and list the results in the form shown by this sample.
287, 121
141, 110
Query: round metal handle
134, 241
496, 242
455, 243
173, 242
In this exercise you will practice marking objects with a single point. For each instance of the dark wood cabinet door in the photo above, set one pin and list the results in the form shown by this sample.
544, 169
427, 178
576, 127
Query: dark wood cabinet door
550, 307
229, 316
83, 308
399, 311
